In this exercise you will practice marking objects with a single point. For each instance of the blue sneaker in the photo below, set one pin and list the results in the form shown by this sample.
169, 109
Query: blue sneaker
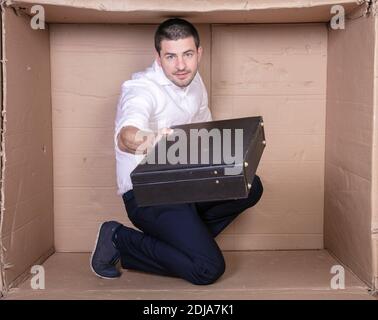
105, 255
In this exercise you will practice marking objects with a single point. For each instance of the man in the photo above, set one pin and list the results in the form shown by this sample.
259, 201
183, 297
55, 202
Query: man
176, 240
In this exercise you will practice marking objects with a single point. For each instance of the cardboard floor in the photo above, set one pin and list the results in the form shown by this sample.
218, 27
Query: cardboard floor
302, 274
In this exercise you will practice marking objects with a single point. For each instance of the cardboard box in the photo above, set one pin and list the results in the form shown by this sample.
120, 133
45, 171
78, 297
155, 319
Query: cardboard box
315, 87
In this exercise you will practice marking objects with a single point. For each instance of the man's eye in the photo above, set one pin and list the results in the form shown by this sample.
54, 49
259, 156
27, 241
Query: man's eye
189, 54
169, 57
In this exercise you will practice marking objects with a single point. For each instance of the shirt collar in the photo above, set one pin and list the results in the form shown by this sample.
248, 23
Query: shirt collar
160, 75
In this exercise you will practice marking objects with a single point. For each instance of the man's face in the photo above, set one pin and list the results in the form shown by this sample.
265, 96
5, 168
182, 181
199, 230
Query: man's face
179, 60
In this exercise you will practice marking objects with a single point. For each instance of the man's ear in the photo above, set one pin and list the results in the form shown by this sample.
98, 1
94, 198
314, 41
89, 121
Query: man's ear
199, 52
157, 56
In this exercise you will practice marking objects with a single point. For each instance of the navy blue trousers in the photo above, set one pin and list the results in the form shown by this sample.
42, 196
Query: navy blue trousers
178, 239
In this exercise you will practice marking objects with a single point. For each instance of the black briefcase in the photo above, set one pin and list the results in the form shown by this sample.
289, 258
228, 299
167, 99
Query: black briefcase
205, 161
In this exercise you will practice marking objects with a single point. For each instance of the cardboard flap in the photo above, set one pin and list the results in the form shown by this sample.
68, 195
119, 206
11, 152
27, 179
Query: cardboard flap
27, 195
211, 11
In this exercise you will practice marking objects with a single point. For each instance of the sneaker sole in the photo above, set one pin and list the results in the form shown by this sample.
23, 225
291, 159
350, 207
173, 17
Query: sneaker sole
91, 257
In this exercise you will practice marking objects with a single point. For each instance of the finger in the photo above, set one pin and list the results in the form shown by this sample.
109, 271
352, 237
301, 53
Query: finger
166, 131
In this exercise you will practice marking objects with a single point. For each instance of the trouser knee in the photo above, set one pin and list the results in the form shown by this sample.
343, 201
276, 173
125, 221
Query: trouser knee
206, 273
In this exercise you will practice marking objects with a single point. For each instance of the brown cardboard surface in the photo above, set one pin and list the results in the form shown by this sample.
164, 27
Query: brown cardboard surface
27, 205
189, 5
374, 191
278, 72
349, 131
89, 65
249, 275
375, 261
83, 115
209, 11
2, 98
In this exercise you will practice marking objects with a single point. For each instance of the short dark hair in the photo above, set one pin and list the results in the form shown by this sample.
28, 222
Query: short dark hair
174, 29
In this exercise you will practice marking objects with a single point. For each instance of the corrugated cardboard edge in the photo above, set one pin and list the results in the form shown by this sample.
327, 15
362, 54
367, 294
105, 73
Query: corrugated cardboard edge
189, 5
374, 189
2, 154
210, 11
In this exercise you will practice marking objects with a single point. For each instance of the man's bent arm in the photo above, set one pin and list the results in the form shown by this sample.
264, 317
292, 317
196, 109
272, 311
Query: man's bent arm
133, 140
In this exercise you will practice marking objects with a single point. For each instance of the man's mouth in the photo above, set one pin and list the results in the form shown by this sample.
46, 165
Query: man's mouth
182, 75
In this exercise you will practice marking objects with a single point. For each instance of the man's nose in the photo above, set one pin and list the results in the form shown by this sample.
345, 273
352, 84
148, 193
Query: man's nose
180, 65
